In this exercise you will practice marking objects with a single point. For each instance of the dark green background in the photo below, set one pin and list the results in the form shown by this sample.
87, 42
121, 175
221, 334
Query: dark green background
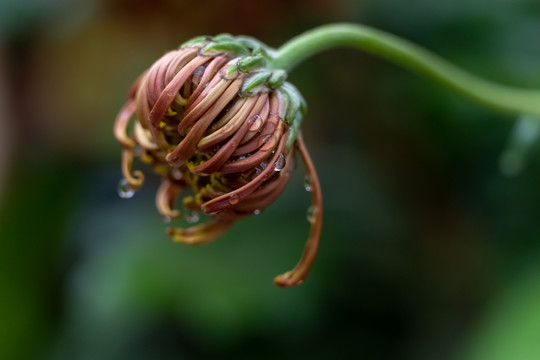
428, 251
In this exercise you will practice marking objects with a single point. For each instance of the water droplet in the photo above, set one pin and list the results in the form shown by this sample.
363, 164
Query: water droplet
233, 199
280, 163
191, 216
257, 123
259, 169
176, 174
256, 212
166, 219
307, 183
311, 214
137, 151
269, 142
124, 190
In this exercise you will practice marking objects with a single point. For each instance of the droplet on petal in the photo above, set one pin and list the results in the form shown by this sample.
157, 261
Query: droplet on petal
257, 123
233, 199
269, 142
176, 174
312, 214
307, 183
280, 163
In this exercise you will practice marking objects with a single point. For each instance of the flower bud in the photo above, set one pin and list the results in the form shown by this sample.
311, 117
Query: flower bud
221, 127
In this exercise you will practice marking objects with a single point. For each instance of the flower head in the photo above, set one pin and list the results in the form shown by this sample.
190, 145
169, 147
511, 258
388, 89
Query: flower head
214, 117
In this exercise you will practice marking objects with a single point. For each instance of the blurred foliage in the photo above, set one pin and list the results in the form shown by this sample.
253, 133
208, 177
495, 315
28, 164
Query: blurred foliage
428, 250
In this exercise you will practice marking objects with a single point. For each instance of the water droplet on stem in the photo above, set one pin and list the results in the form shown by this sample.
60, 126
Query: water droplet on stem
311, 214
307, 183
233, 199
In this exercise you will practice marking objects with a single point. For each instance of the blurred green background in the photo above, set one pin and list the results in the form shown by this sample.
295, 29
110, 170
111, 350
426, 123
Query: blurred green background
428, 251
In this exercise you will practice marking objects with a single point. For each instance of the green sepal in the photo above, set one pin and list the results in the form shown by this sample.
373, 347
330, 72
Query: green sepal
196, 41
255, 46
255, 81
277, 79
225, 37
246, 64
226, 46
295, 109
250, 62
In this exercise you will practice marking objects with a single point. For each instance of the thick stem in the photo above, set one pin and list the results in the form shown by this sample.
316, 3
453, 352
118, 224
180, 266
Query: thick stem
399, 51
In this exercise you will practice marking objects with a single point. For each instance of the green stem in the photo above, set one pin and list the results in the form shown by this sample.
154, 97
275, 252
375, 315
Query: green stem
505, 98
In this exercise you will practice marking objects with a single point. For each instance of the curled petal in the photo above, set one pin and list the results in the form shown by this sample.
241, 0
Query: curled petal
233, 123
121, 124
186, 148
217, 161
267, 194
227, 200
166, 196
136, 179
171, 90
144, 137
301, 270
209, 74
201, 233
196, 111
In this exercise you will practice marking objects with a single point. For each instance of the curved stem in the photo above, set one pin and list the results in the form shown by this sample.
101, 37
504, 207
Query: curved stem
505, 98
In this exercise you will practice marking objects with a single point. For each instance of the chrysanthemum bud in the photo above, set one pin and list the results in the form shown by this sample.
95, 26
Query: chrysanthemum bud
212, 118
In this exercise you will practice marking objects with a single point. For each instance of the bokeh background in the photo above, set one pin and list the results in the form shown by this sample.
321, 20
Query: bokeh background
429, 250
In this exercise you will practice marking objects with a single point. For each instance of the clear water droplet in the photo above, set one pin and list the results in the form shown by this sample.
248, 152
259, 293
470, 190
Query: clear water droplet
166, 219
311, 214
256, 212
257, 123
191, 216
176, 174
267, 143
307, 183
280, 163
124, 190
259, 169
233, 199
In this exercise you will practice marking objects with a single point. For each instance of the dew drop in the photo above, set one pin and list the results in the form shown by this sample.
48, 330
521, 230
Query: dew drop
269, 142
166, 219
256, 212
257, 123
280, 163
233, 199
191, 216
307, 183
124, 190
176, 174
311, 214
259, 169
